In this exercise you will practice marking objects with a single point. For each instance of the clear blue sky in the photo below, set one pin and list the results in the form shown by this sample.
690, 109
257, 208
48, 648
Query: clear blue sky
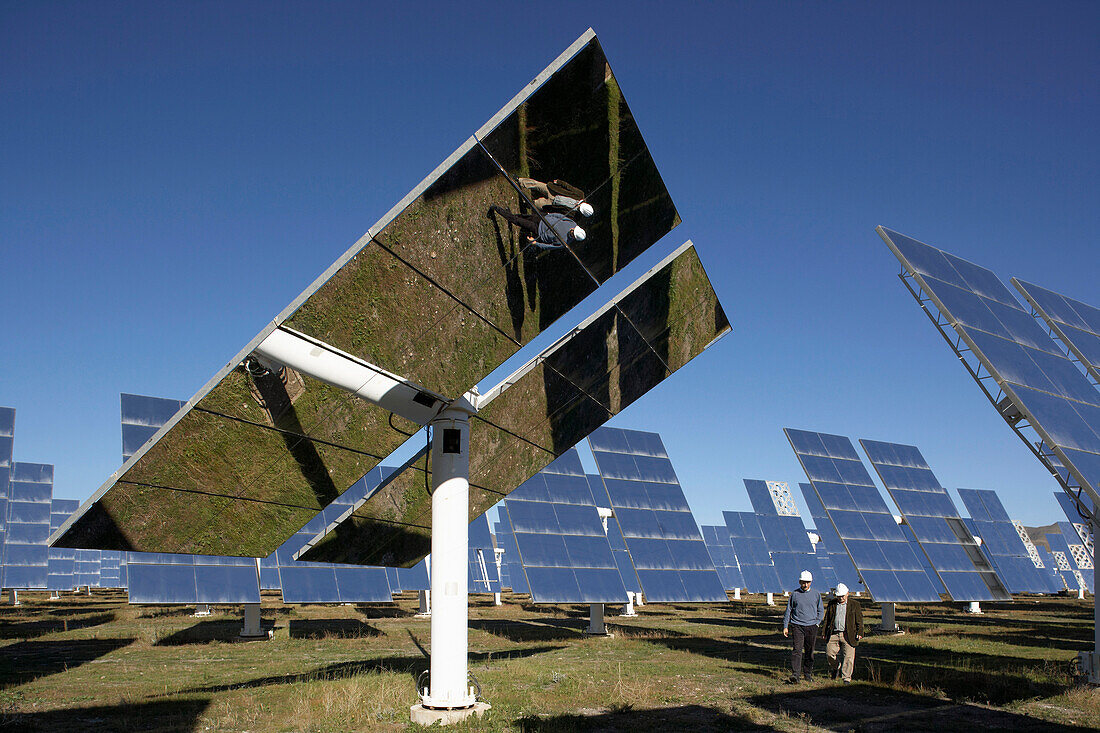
173, 174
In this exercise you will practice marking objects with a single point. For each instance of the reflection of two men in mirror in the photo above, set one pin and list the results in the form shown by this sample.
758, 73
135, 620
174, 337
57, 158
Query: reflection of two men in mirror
555, 204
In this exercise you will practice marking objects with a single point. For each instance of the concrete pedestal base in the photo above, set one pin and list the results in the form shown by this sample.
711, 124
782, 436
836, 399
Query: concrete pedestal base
427, 716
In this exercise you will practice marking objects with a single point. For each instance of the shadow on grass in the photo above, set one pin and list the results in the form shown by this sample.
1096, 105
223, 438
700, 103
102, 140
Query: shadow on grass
32, 629
28, 660
971, 676
772, 624
547, 630
387, 610
409, 665
767, 654
319, 628
870, 708
1041, 638
227, 630
159, 717
695, 718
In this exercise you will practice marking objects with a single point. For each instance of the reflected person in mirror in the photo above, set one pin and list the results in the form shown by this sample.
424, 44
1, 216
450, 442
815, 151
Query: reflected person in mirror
843, 628
556, 195
800, 621
549, 231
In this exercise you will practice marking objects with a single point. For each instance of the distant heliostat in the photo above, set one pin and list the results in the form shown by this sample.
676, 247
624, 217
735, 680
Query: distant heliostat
665, 543
936, 524
881, 550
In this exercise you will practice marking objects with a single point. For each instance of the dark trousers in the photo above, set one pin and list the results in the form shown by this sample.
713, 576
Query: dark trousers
530, 222
803, 639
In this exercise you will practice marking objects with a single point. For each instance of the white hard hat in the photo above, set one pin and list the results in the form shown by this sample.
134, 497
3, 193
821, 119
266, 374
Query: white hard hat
586, 209
577, 234
806, 575
841, 589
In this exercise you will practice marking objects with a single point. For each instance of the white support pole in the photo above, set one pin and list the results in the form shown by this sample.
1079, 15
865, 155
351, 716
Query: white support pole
425, 604
88, 590
771, 600
638, 599
888, 624
13, 597
628, 607
448, 696
250, 627
54, 595
1090, 661
736, 594
974, 607
596, 625
1081, 591
497, 600
202, 609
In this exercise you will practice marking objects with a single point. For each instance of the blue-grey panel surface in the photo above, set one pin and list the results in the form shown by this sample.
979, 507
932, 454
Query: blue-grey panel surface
717, 539
25, 553
843, 568
61, 562
517, 578
882, 553
1081, 524
1036, 377
663, 539
142, 417
560, 539
1003, 543
1077, 324
157, 578
483, 576
935, 523
785, 537
7, 441
757, 569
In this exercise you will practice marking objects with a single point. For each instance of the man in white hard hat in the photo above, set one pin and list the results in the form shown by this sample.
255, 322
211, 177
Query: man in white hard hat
800, 621
556, 196
548, 231
843, 628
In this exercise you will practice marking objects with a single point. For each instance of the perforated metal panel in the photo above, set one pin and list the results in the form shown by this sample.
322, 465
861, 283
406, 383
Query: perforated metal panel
1001, 540
1067, 563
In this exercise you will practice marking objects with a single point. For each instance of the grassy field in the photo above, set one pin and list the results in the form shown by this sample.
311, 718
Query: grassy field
95, 663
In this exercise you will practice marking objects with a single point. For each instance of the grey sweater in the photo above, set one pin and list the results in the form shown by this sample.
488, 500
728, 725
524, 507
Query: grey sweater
804, 608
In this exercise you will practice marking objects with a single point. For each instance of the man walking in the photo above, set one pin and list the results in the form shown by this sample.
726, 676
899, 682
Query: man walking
549, 231
843, 628
800, 621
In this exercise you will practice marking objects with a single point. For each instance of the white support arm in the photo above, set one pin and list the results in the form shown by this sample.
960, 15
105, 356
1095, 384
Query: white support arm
332, 366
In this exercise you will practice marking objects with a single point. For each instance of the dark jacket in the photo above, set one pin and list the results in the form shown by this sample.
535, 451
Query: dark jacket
853, 621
